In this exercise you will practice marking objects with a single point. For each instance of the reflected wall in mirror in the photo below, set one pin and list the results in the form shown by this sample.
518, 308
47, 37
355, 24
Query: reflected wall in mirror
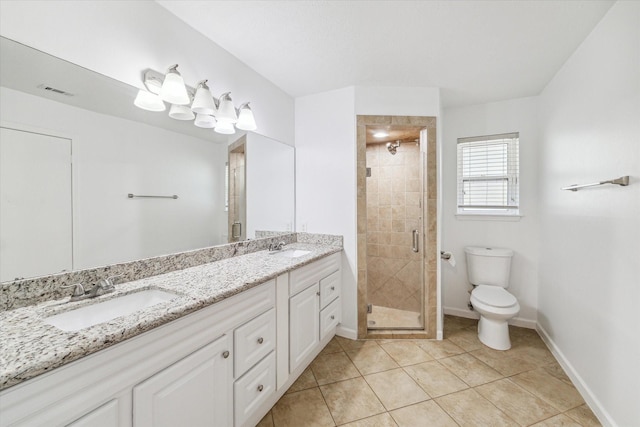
65, 204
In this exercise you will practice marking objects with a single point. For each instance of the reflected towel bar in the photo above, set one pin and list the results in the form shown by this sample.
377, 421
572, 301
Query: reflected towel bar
131, 196
623, 181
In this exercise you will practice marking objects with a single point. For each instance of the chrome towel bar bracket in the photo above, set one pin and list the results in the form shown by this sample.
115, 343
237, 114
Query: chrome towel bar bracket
623, 181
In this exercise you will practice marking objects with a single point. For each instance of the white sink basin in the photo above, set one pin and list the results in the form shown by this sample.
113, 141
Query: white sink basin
293, 253
92, 314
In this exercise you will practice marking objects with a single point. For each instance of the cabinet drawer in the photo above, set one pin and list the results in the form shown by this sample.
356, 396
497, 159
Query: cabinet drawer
329, 289
306, 276
254, 388
330, 317
254, 340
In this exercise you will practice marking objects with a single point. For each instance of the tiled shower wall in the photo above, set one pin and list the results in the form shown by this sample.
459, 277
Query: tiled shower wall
393, 212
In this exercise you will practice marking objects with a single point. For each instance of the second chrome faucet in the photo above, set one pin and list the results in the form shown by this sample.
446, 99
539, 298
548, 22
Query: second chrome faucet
104, 286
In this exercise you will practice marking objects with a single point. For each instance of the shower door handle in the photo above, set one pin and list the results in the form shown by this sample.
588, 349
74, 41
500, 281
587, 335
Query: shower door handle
416, 241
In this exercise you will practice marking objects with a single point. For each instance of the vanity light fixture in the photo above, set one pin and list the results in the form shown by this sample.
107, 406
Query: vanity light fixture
380, 134
210, 112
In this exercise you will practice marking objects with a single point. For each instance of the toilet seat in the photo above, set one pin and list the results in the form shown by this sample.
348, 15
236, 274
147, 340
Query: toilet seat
494, 296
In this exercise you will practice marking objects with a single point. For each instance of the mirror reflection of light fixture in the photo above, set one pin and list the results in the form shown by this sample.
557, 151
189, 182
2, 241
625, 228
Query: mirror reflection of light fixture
224, 127
181, 112
245, 118
205, 121
173, 89
149, 101
211, 112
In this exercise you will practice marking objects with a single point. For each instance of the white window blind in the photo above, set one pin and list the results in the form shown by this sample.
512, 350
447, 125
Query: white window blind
488, 168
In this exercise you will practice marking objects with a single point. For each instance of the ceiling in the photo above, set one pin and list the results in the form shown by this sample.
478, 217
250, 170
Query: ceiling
475, 51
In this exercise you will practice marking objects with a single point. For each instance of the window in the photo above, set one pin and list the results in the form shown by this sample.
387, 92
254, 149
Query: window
488, 169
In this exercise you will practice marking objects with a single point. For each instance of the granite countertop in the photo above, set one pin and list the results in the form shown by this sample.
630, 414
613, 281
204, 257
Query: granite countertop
30, 347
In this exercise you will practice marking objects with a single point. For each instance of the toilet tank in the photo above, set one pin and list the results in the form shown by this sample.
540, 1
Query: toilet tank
488, 266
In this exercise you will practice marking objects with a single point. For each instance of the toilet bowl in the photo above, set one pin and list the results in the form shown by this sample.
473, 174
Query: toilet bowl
488, 270
495, 306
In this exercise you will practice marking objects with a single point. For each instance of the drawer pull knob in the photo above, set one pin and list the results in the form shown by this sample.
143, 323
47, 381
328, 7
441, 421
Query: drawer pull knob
333, 317
318, 293
333, 288
260, 340
225, 354
260, 387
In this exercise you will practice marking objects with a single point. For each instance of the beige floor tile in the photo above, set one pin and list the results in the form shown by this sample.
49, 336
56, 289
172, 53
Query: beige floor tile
556, 370
332, 347
371, 359
503, 361
351, 400
406, 352
470, 370
305, 380
583, 415
439, 349
465, 339
550, 389
333, 367
266, 421
421, 414
435, 379
382, 420
303, 408
348, 344
534, 353
395, 388
455, 322
558, 421
517, 403
468, 408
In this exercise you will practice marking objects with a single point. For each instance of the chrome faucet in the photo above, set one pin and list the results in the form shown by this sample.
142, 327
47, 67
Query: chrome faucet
104, 286
276, 246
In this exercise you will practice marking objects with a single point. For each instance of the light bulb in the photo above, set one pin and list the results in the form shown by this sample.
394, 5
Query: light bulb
181, 112
148, 101
226, 110
246, 121
203, 100
224, 127
173, 89
205, 121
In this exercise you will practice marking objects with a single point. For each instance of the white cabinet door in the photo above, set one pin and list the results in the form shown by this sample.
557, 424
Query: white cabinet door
304, 325
195, 391
107, 415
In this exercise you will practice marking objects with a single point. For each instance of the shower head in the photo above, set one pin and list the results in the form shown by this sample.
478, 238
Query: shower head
393, 147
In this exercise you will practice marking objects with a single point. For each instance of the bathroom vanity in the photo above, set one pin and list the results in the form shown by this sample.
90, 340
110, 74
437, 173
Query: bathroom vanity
238, 334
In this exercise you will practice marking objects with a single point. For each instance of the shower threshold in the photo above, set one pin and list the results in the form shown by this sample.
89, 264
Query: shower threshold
392, 318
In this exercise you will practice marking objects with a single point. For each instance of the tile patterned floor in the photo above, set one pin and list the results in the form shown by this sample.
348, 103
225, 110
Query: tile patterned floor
412, 383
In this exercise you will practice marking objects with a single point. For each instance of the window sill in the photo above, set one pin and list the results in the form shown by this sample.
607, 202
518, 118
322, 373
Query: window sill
487, 217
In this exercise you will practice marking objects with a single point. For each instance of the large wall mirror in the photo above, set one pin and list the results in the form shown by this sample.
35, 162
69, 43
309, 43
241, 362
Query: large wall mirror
73, 147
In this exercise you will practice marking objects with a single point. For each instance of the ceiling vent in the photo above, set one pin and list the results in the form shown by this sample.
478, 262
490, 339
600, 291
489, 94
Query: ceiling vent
54, 90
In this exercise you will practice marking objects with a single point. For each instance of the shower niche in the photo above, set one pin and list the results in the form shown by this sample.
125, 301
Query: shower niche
396, 226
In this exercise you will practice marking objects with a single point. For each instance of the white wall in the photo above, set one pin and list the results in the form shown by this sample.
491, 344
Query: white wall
326, 186
518, 115
113, 157
120, 39
326, 180
590, 240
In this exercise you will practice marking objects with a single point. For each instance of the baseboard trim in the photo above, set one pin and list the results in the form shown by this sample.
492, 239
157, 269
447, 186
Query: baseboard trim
516, 321
343, 332
585, 391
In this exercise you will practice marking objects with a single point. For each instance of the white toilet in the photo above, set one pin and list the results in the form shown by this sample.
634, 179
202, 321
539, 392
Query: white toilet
488, 270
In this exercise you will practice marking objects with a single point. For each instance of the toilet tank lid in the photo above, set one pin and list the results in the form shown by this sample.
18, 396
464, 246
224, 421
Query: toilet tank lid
483, 251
